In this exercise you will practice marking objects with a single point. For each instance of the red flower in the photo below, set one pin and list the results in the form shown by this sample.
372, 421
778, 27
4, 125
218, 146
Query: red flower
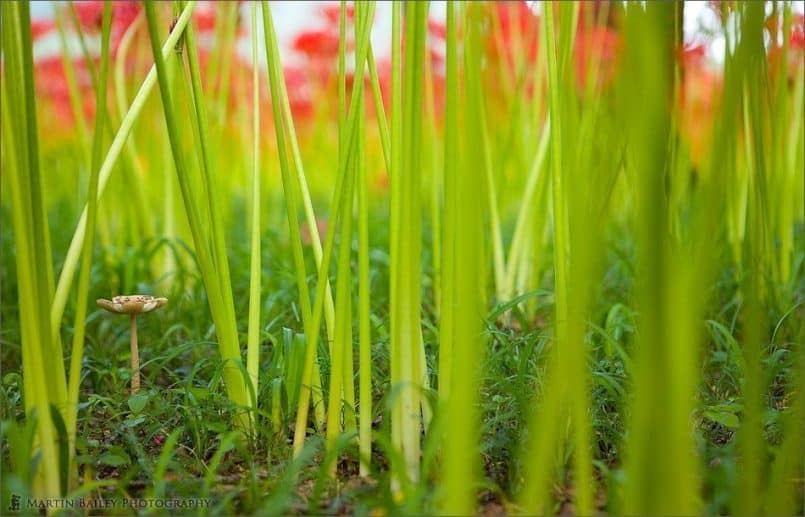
316, 43
437, 29
41, 28
692, 54
204, 16
90, 17
299, 95
514, 17
797, 40
123, 15
90, 13
599, 43
51, 85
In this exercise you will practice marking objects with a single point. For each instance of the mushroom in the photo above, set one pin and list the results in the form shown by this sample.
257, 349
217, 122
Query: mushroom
133, 305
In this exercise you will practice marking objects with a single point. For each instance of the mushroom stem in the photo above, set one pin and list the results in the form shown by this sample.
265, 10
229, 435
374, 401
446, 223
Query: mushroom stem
135, 355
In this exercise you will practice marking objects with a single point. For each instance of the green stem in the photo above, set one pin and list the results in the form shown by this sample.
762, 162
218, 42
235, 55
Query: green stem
253, 338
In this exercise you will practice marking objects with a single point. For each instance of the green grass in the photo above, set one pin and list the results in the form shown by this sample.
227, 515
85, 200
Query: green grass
614, 324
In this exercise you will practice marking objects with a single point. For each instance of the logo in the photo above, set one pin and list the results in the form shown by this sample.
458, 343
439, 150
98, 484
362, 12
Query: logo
14, 505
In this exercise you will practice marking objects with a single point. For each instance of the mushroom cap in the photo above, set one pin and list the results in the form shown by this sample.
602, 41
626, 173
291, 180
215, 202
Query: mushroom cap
132, 304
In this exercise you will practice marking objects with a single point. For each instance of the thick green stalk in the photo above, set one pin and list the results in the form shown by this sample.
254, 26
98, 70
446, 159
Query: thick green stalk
450, 217
364, 311
380, 111
41, 357
344, 153
343, 323
395, 173
757, 259
461, 465
658, 481
407, 234
226, 46
565, 389
208, 172
496, 237
434, 173
253, 338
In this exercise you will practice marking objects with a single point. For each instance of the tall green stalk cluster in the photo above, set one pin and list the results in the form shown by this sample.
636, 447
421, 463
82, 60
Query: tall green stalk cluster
583, 172
49, 399
666, 376
767, 249
461, 343
350, 188
197, 177
407, 349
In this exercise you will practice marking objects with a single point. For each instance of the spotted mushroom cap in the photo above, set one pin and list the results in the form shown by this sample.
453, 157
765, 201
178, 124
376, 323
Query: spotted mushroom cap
132, 303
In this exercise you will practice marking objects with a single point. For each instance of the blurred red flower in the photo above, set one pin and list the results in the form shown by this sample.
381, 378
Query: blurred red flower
299, 95
204, 16
40, 28
692, 54
797, 37
601, 44
316, 43
516, 20
437, 29
89, 13
124, 12
51, 85
332, 12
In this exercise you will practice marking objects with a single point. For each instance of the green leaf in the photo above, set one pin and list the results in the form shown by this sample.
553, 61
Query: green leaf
133, 422
114, 460
138, 402
724, 418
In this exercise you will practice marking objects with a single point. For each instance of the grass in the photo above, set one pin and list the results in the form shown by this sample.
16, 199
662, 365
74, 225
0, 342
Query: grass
549, 278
